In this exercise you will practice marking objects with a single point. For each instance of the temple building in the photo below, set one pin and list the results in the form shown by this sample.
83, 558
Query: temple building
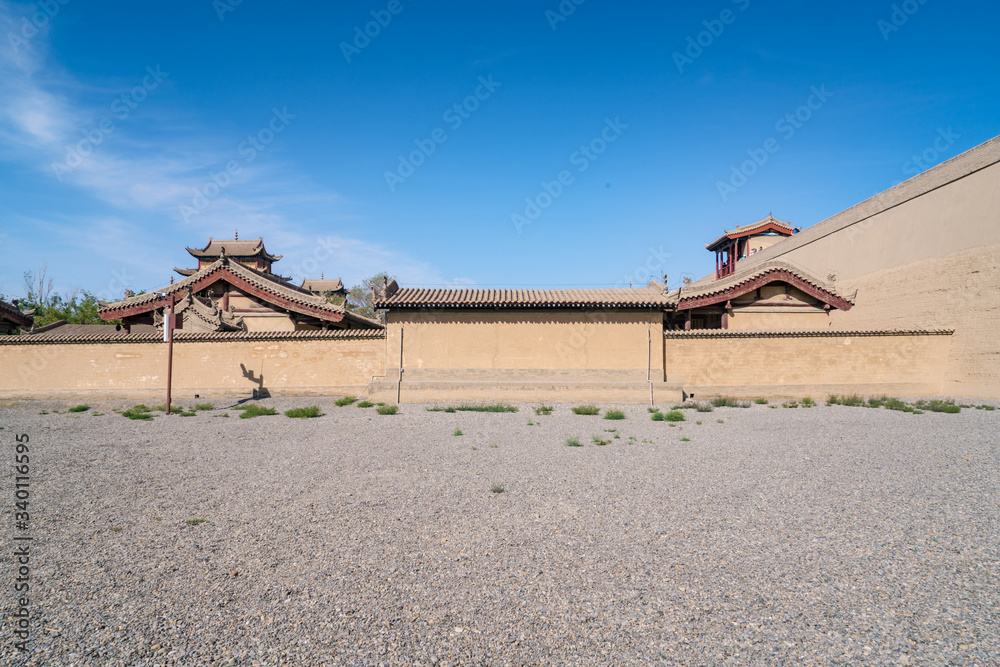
234, 289
745, 241
12, 319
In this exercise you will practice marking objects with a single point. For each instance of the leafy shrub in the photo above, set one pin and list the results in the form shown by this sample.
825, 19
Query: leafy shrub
703, 407
657, 416
730, 402
573, 442
365, 404
387, 409
80, 408
808, 402
614, 414
346, 400
586, 410
544, 410
851, 400
674, 416
790, 404
139, 412
760, 401
304, 413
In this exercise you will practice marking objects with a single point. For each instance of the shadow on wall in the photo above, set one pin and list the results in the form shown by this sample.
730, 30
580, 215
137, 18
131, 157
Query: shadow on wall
260, 391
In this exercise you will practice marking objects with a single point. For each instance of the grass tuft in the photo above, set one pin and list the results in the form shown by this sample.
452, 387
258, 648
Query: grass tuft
497, 488
808, 402
586, 410
600, 443
195, 522
140, 412
703, 407
304, 413
760, 401
346, 400
573, 442
685, 439
203, 407
255, 410
365, 404
674, 416
457, 432
542, 410
387, 409
79, 408
730, 402
657, 416
937, 405
614, 414
790, 404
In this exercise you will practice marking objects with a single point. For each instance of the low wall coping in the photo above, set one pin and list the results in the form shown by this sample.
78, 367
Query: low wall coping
180, 337
818, 333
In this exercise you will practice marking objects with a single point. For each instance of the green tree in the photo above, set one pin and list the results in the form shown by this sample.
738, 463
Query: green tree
361, 298
79, 307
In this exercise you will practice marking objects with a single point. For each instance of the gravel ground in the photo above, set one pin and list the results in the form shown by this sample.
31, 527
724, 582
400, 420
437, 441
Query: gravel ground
830, 535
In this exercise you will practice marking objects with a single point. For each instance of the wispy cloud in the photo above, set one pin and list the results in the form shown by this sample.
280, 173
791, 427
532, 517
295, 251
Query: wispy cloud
136, 159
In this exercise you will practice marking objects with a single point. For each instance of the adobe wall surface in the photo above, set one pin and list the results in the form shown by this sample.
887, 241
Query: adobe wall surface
770, 366
959, 291
929, 261
209, 368
479, 344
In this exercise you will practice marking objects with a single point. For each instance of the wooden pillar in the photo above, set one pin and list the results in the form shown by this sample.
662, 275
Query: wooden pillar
687, 322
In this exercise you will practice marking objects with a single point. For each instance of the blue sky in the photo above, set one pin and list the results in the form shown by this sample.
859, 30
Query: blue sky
592, 143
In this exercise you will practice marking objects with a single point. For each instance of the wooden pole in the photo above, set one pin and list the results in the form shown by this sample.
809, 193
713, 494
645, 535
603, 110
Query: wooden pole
168, 322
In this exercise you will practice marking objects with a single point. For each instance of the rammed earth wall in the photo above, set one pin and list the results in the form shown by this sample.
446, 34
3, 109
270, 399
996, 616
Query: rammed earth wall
209, 366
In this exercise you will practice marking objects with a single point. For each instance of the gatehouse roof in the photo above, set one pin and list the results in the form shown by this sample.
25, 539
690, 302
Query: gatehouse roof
770, 223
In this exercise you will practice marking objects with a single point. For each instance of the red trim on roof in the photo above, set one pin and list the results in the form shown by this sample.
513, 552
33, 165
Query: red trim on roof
766, 278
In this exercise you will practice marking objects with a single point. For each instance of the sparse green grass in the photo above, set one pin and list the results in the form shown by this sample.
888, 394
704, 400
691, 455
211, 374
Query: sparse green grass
851, 400
719, 421
365, 404
497, 488
494, 446
203, 407
599, 442
44, 412
190, 413
703, 407
304, 413
96, 414
457, 432
674, 416
115, 529
878, 401
475, 449
224, 414
195, 522
653, 410
685, 439
937, 405
80, 408
989, 408
614, 414
139, 412
808, 402
387, 409
586, 410
790, 404
476, 407
657, 416
730, 402
440, 409
346, 400
255, 410
573, 442
698, 423
543, 410
760, 401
